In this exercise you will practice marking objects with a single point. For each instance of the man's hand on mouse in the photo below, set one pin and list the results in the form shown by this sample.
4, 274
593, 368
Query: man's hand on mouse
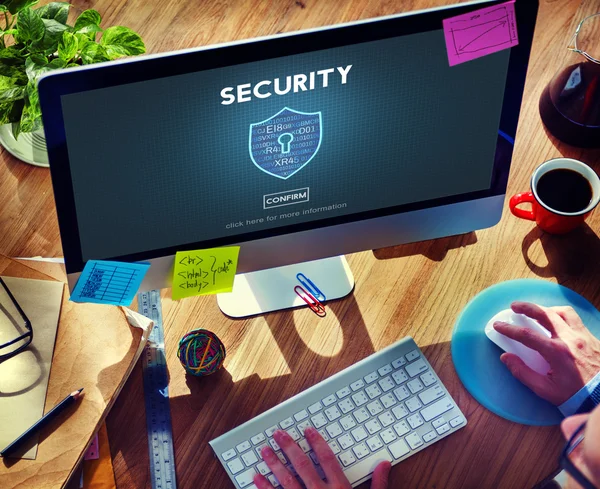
572, 352
305, 468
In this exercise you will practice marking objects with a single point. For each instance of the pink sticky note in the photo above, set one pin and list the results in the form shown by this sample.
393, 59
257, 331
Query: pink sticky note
93, 452
479, 33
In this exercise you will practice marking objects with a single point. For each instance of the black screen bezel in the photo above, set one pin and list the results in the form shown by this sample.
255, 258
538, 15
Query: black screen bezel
54, 86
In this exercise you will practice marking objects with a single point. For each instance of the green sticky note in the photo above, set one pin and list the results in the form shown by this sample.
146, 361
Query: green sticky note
203, 272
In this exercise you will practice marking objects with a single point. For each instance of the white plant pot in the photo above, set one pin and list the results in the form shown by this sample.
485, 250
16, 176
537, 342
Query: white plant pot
30, 147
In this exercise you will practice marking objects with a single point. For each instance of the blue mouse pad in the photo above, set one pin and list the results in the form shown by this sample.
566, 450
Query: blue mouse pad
477, 359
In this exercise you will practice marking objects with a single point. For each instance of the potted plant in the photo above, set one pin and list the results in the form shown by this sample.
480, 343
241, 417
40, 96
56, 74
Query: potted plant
36, 41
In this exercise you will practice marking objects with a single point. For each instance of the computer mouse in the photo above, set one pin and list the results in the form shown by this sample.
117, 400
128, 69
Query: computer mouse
530, 357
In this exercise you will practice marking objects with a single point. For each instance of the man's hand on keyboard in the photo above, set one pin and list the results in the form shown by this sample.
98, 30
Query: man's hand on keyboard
305, 468
572, 352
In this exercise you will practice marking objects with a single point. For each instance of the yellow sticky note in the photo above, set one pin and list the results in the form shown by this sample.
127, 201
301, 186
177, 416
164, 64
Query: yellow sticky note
203, 272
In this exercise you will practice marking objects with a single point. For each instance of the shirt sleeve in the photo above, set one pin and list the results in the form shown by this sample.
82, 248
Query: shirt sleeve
584, 400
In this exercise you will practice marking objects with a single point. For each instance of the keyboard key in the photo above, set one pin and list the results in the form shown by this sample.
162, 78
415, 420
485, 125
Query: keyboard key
334, 430
347, 458
427, 437
259, 449
273, 480
361, 415
359, 433
281, 458
286, 423
386, 369
229, 454
345, 441
333, 413
274, 444
374, 443
373, 391
302, 426
329, 400
346, 406
347, 422
399, 362
415, 421
359, 384
235, 466
361, 450
413, 404
399, 449
416, 368
437, 408
401, 428
242, 447
438, 422
313, 408
415, 386
256, 439
319, 420
372, 377
400, 376
304, 445
360, 398
412, 355
366, 466
443, 429
386, 384
249, 458
400, 411
388, 400
414, 441
401, 393
373, 426
388, 436
431, 394
375, 408
245, 478
343, 392
293, 432
335, 448
456, 422
301, 415
324, 435
428, 378
271, 430
263, 468
386, 419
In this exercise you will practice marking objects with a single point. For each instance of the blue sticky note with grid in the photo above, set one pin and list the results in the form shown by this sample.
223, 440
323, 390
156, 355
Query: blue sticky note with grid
109, 282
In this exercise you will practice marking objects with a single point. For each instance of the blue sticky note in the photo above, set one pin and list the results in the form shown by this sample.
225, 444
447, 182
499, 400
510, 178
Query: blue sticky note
109, 282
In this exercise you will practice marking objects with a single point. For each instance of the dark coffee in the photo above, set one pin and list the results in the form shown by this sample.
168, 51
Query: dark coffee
564, 190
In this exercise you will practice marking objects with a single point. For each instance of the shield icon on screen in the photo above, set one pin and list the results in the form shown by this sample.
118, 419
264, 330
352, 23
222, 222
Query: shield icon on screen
286, 142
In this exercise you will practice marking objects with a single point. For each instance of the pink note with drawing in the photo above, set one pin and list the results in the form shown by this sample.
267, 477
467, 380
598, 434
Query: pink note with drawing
481, 32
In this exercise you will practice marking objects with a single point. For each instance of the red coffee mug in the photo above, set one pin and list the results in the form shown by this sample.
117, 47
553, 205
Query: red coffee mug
551, 220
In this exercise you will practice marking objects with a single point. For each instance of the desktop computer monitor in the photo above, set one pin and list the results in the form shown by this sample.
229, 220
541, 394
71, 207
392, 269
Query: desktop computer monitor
295, 147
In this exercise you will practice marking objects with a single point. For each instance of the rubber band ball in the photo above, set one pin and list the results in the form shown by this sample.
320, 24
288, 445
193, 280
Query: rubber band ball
201, 352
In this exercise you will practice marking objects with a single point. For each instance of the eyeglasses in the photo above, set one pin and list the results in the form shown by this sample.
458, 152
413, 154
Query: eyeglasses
10, 308
568, 465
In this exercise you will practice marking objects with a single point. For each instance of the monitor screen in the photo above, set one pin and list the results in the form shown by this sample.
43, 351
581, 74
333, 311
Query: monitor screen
272, 144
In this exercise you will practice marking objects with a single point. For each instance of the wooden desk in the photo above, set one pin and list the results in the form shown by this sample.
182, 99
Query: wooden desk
417, 289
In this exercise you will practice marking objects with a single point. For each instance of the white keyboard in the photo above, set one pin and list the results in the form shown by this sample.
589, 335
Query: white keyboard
388, 406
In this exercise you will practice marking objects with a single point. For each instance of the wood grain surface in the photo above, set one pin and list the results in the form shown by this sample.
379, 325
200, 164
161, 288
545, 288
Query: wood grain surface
416, 289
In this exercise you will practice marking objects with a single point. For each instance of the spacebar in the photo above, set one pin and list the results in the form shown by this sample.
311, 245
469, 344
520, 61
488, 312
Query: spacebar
366, 466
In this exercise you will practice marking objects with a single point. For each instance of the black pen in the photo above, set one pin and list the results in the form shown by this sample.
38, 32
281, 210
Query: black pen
47, 418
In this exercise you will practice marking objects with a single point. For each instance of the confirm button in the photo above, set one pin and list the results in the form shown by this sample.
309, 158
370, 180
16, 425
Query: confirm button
285, 198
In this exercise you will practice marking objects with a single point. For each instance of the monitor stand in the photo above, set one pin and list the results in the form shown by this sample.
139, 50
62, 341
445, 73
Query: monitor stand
273, 289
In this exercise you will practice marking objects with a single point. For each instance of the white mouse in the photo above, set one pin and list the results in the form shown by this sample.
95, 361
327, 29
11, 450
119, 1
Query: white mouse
530, 357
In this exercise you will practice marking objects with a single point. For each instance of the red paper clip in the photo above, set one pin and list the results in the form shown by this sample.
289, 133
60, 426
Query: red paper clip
311, 300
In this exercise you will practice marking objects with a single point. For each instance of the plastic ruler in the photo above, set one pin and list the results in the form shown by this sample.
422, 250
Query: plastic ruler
156, 396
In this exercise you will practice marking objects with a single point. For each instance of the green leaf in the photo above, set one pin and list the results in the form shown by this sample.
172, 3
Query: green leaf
89, 32
30, 25
31, 119
67, 46
87, 17
15, 6
12, 56
5, 110
93, 53
35, 66
122, 41
54, 32
16, 129
11, 94
58, 11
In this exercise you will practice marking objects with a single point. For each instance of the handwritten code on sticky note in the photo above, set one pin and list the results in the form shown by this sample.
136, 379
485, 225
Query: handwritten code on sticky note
93, 451
203, 272
109, 282
479, 33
